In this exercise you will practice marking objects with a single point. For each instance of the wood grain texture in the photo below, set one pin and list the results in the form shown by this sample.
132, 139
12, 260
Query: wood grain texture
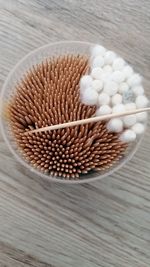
103, 224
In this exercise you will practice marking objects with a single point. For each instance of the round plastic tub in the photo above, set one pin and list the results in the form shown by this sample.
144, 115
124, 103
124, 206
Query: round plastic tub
33, 58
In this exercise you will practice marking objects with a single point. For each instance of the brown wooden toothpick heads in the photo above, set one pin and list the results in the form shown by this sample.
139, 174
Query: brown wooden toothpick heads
49, 95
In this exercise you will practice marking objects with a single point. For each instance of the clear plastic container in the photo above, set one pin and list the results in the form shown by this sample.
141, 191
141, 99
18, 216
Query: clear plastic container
37, 56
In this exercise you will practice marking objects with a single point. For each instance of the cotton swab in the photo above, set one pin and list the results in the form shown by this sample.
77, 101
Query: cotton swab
89, 120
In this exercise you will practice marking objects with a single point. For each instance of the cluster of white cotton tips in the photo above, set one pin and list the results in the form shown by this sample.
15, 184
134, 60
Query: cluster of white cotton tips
114, 87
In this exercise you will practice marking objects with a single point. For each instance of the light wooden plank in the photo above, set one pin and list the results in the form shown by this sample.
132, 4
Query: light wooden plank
102, 224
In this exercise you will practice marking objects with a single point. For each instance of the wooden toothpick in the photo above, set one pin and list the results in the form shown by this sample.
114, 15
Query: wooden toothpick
89, 120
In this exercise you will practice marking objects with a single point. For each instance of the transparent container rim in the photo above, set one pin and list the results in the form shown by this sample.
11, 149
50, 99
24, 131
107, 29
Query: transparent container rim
23, 162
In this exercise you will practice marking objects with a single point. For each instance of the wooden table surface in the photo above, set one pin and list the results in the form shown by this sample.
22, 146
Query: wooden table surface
105, 223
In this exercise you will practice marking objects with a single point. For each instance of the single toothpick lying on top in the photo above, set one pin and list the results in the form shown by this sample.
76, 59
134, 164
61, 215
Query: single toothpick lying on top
89, 120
